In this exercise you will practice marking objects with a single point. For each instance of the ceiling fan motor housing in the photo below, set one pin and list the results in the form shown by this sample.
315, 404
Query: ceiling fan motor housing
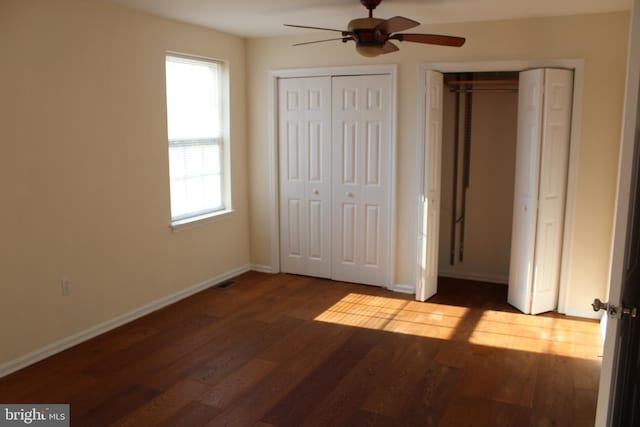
368, 39
366, 33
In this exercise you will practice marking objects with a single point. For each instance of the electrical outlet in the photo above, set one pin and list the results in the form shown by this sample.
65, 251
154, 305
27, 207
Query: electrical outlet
66, 287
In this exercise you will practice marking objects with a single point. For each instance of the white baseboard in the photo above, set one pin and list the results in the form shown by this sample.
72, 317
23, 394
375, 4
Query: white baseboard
472, 276
262, 268
403, 288
75, 339
586, 313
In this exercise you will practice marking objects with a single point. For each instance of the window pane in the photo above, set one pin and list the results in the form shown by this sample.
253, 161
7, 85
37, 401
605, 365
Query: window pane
211, 183
201, 197
176, 162
195, 140
193, 160
193, 99
178, 198
211, 159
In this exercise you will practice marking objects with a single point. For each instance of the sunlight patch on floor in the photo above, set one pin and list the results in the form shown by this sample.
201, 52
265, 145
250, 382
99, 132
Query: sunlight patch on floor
540, 334
394, 315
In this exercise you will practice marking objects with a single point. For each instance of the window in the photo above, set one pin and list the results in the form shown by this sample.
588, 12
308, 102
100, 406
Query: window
197, 154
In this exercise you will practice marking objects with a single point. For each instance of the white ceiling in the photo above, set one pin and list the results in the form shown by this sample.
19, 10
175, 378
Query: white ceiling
259, 18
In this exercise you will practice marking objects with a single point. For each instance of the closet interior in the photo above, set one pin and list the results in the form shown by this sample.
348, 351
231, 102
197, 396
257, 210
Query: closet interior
477, 176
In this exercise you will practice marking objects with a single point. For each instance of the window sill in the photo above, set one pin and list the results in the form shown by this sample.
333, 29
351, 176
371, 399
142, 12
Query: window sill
196, 221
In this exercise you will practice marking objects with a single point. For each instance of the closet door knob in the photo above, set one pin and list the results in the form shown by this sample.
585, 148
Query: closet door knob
348, 194
316, 192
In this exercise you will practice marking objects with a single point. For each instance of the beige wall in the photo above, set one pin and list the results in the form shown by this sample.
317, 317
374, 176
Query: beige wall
489, 204
84, 168
600, 40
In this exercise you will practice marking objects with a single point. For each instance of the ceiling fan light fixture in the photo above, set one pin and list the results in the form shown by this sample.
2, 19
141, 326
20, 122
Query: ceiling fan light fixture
369, 51
364, 23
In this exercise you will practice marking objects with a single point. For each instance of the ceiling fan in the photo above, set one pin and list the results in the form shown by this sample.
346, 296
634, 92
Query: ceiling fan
373, 35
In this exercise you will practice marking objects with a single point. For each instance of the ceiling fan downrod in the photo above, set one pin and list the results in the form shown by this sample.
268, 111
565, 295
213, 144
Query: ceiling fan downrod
370, 5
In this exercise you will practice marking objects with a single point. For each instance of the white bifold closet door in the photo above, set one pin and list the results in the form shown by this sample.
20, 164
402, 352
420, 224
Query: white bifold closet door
305, 175
430, 183
361, 178
335, 158
542, 152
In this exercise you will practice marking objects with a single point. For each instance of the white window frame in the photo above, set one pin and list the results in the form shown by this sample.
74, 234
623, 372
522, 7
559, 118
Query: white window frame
223, 142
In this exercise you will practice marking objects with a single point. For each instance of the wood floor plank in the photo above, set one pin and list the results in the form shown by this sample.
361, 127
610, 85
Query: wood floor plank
585, 373
302, 399
237, 339
371, 419
282, 350
400, 380
337, 407
117, 406
257, 402
506, 415
43, 377
465, 410
160, 408
516, 383
221, 365
454, 354
142, 367
237, 383
554, 391
160, 347
482, 371
193, 414
584, 406
437, 387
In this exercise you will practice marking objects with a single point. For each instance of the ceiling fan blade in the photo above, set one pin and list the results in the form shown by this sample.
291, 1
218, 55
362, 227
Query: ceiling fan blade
344, 32
388, 47
437, 39
395, 24
344, 39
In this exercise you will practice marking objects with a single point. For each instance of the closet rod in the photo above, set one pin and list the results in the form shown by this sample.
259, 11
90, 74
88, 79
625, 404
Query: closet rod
481, 82
514, 90
454, 199
466, 166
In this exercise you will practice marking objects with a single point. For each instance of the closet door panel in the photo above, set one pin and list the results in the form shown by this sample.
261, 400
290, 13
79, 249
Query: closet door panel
315, 231
348, 144
523, 235
542, 157
305, 175
362, 179
372, 235
292, 187
552, 191
295, 235
430, 187
372, 156
348, 226
314, 154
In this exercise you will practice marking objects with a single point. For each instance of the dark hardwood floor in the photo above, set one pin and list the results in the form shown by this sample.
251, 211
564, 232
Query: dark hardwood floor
283, 350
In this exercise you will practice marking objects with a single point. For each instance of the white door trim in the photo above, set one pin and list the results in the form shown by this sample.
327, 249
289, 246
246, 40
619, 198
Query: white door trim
574, 149
606, 390
274, 212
